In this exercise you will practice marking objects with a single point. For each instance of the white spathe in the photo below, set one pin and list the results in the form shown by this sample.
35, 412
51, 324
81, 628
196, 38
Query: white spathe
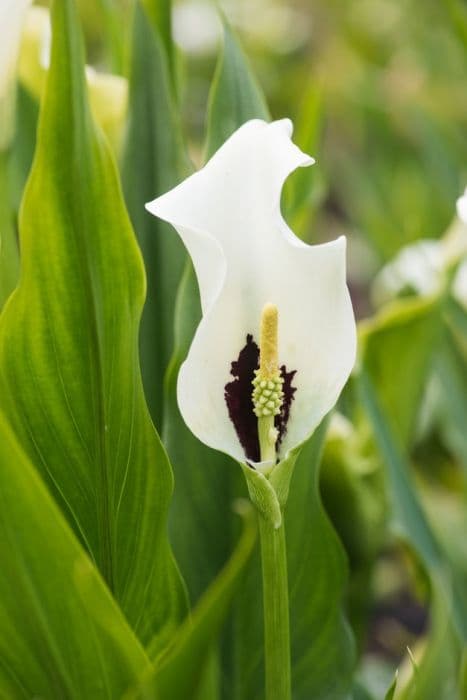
12, 13
228, 216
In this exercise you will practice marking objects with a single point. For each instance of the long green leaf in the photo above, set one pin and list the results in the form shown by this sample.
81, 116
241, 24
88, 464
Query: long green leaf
322, 644
409, 518
182, 672
61, 633
235, 96
69, 373
305, 187
154, 161
9, 254
160, 12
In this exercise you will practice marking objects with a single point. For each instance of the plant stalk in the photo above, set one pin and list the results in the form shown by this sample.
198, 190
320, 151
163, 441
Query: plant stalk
276, 611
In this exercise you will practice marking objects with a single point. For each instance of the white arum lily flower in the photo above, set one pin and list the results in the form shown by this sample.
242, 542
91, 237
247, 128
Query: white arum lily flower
260, 286
423, 267
12, 13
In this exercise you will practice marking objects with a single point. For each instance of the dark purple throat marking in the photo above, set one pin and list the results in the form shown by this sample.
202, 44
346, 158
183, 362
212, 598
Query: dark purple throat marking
237, 394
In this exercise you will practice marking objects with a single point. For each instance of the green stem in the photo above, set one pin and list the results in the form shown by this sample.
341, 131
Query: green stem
276, 611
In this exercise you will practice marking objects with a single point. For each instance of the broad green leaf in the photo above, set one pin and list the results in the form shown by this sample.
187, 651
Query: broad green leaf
61, 633
103, 23
9, 254
69, 373
154, 162
397, 348
181, 672
305, 187
24, 143
322, 644
160, 12
235, 96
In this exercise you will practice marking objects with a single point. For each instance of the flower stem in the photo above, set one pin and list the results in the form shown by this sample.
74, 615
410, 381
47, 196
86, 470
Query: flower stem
276, 611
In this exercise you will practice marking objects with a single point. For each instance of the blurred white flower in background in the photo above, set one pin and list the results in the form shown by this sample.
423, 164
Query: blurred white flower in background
422, 268
12, 14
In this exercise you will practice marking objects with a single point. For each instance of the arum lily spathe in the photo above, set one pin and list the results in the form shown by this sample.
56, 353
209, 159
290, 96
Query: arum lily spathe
12, 14
253, 271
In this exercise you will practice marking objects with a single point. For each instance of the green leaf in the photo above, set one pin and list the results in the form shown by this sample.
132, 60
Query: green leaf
70, 381
235, 96
153, 163
160, 12
304, 188
391, 690
24, 143
397, 348
451, 372
181, 672
322, 644
409, 520
61, 633
9, 253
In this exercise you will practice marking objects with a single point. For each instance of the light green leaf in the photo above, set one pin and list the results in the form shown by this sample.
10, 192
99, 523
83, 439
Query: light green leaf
391, 690
61, 633
9, 254
69, 373
160, 12
397, 348
304, 189
181, 672
322, 644
153, 163
235, 96
24, 143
